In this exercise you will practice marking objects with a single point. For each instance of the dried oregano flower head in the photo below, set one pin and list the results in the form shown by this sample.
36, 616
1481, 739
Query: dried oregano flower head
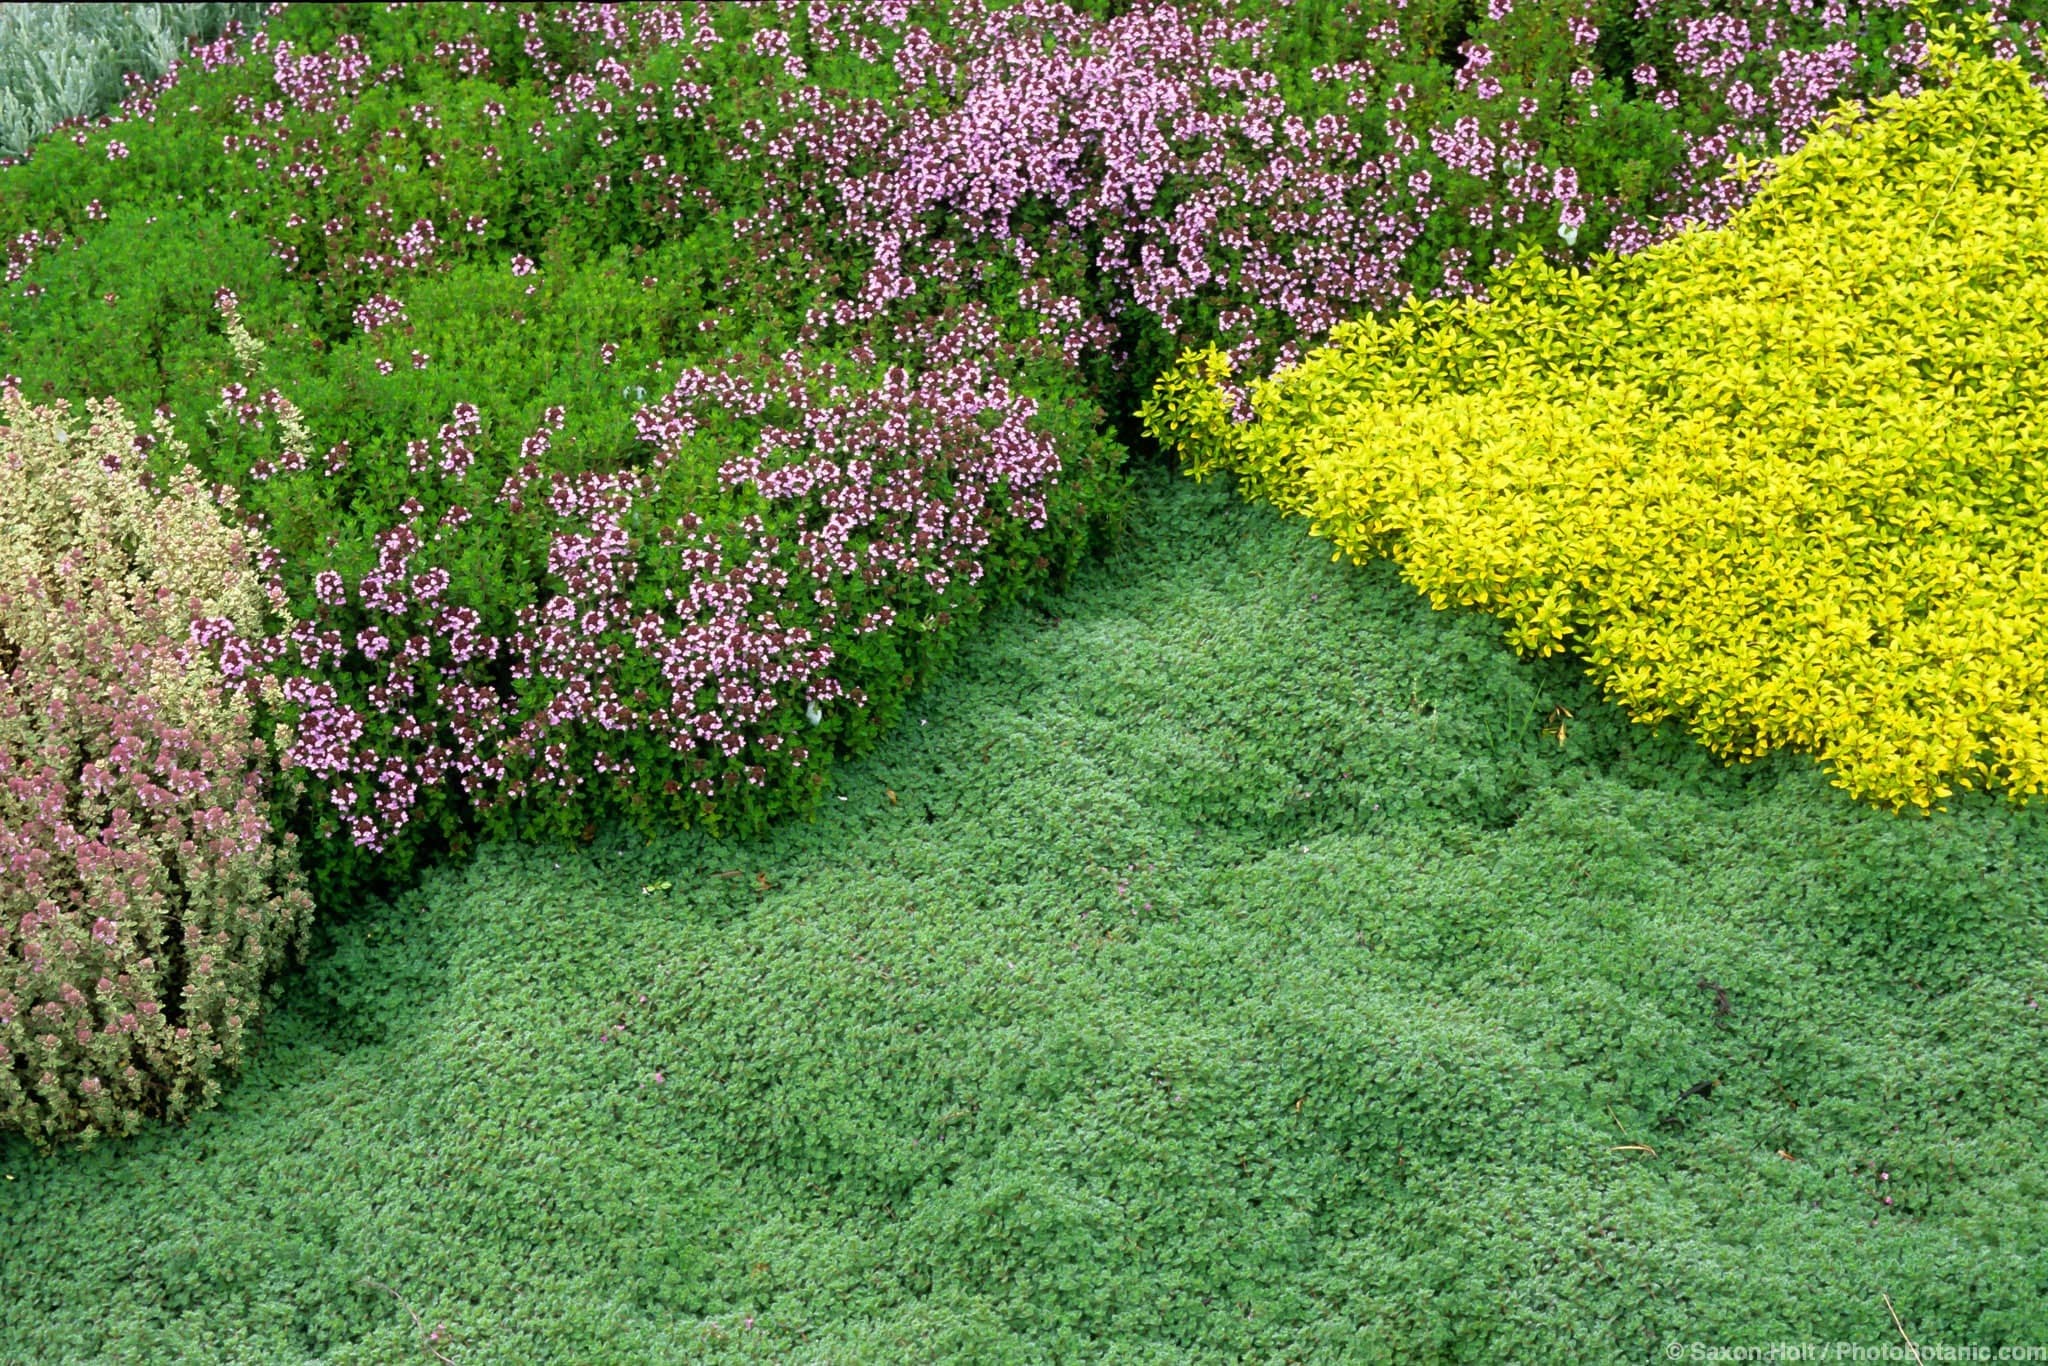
143, 899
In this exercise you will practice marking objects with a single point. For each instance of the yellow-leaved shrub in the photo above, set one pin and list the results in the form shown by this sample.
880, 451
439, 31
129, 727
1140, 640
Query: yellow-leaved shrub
1785, 481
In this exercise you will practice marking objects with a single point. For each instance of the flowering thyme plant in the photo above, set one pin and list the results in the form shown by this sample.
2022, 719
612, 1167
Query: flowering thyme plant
697, 619
145, 902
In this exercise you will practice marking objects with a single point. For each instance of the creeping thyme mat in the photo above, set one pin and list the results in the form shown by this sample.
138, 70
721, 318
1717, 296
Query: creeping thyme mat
1233, 959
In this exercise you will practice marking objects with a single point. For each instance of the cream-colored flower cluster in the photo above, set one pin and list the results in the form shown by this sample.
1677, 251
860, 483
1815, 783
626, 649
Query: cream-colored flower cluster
249, 355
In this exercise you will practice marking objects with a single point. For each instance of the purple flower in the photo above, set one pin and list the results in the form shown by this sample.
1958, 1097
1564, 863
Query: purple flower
379, 310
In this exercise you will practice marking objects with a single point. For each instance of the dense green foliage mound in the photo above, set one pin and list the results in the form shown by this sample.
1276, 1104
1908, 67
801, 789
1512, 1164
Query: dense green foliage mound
1228, 963
1783, 480
582, 521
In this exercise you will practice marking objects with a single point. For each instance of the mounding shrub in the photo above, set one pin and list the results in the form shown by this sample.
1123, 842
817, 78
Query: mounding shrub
143, 902
61, 63
687, 640
1782, 480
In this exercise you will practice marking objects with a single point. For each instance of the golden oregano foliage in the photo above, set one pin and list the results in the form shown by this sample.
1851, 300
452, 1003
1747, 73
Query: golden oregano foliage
1785, 481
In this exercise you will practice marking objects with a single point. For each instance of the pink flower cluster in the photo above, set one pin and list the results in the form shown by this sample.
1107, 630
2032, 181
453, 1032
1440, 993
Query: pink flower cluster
1124, 129
897, 489
1188, 178
21, 251
316, 81
379, 310
1775, 119
416, 246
